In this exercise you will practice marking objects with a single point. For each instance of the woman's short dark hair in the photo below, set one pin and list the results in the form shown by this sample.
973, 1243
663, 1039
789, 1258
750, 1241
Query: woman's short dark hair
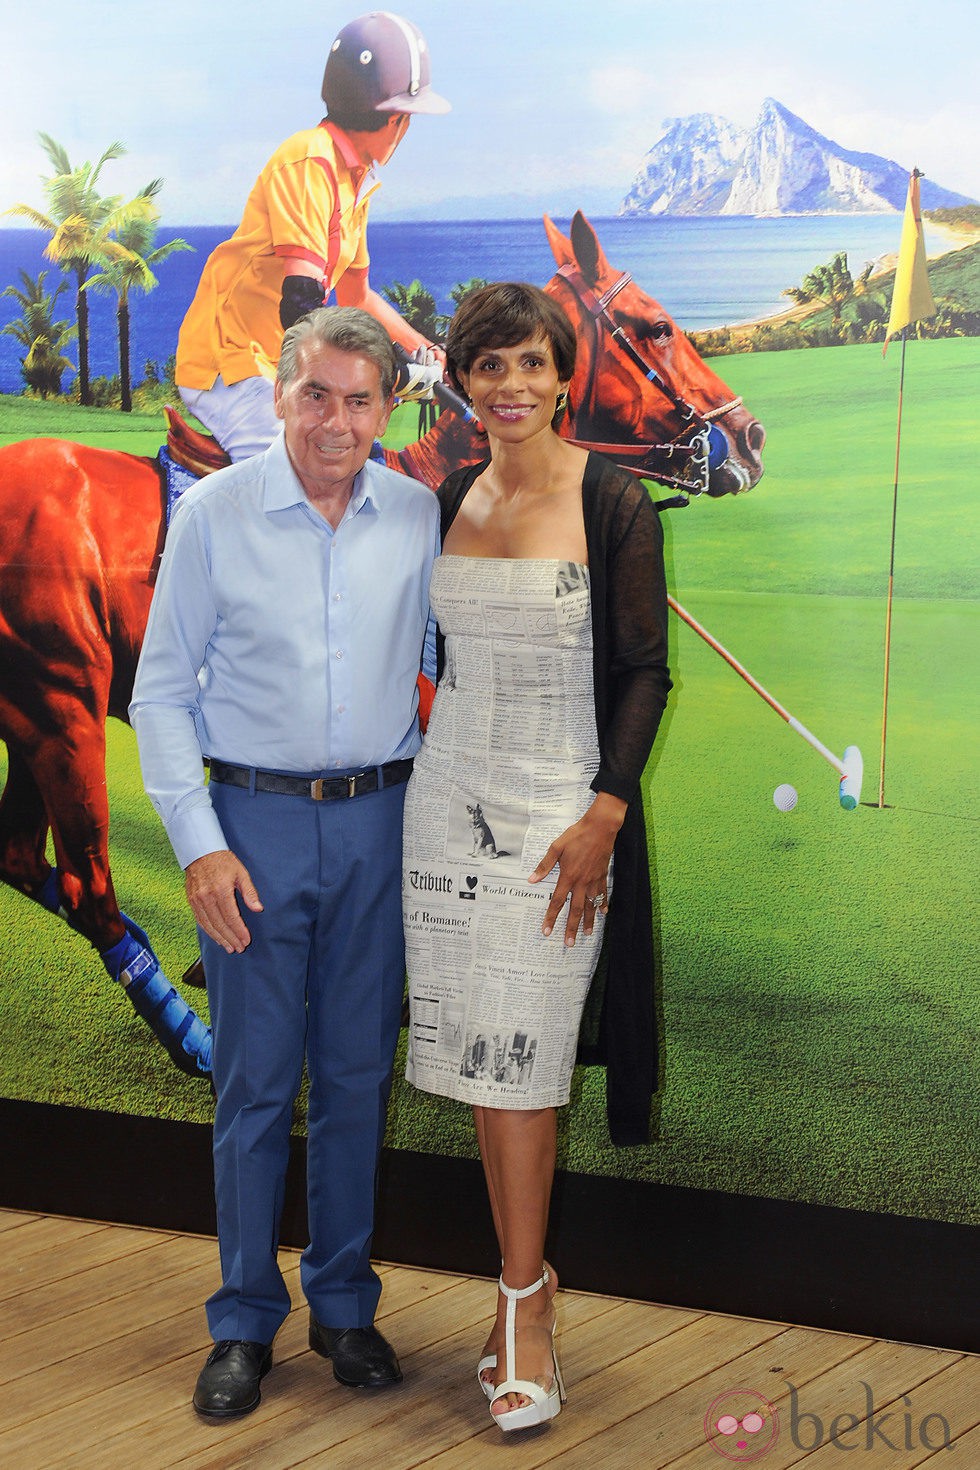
504, 315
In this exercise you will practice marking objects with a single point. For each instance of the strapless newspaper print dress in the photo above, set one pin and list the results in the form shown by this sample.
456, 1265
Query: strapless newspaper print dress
506, 766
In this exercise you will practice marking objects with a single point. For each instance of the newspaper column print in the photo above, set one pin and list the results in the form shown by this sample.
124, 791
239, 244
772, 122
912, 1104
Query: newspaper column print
509, 755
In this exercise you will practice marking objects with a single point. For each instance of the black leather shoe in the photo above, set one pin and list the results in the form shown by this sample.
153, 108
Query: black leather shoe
361, 1356
229, 1381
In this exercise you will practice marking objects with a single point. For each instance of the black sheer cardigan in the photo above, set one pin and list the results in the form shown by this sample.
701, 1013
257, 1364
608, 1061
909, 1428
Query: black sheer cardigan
631, 678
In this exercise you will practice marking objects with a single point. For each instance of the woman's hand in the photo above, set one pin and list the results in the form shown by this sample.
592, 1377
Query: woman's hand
582, 854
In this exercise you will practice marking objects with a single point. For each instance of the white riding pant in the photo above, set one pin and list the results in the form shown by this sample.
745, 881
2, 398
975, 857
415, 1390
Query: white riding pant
241, 416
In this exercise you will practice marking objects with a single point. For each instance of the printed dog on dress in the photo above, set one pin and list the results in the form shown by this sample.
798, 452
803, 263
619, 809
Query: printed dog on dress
483, 842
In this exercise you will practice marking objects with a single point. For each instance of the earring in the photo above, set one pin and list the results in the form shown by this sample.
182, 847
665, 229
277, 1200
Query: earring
561, 400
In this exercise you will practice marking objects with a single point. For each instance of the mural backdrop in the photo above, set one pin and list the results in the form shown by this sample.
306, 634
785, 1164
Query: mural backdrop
818, 994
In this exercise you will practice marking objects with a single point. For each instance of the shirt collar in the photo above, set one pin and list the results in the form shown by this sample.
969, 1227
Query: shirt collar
345, 147
283, 488
364, 178
365, 491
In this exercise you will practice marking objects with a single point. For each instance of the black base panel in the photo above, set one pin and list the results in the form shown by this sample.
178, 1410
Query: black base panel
886, 1276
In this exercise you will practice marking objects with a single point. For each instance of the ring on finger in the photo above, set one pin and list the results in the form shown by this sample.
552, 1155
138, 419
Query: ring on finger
598, 900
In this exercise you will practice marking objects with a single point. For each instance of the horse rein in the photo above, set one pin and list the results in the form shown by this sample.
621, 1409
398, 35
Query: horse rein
694, 423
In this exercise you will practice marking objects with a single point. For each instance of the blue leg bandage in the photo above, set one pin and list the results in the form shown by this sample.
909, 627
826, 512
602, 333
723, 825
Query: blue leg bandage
48, 896
179, 1029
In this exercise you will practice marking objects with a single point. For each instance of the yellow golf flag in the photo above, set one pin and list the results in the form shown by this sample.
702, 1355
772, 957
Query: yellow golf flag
912, 297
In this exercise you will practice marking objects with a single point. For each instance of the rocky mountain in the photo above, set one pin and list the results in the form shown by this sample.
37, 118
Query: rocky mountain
703, 165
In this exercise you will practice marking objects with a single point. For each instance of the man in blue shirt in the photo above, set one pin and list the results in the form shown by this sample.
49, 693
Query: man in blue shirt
285, 637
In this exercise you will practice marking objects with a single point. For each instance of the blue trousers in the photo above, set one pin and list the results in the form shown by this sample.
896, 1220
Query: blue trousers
322, 979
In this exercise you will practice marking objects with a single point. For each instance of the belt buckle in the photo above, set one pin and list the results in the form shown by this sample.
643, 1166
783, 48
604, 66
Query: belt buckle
316, 787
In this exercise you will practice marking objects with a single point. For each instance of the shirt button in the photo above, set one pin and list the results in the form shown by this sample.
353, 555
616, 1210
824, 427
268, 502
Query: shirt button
339, 653
336, 597
341, 709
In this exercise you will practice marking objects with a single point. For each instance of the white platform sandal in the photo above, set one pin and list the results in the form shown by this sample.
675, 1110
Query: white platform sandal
486, 1365
545, 1402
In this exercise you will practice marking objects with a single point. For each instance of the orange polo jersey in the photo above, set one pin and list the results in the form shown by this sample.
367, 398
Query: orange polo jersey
309, 202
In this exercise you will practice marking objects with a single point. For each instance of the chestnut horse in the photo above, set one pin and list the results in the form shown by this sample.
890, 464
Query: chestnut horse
640, 394
81, 531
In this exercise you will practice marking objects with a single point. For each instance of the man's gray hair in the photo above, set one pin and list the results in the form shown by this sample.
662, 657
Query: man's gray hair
349, 330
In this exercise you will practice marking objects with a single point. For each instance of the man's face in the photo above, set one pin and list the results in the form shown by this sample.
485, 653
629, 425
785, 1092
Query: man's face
386, 140
333, 412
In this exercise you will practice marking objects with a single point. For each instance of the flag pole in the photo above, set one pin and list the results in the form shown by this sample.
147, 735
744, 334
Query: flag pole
891, 583
912, 299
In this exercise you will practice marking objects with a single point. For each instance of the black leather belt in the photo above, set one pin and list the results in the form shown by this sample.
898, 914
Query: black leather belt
317, 788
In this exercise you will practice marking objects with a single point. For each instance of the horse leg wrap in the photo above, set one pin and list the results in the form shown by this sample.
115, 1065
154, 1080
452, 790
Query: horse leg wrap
179, 1029
49, 897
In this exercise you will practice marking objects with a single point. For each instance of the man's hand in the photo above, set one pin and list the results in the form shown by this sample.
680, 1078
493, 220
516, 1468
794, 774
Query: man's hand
419, 374
212, 883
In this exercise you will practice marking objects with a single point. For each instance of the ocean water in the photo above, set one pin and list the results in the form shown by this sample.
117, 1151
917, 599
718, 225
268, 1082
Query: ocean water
706, 272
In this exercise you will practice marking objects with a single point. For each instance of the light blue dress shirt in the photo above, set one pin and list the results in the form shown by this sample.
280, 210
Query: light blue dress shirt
278, 642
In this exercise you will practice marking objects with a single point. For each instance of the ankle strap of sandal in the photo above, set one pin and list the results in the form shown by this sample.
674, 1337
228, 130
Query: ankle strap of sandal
516, 1293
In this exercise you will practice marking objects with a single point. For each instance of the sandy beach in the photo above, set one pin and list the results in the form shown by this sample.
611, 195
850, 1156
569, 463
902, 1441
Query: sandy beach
940, 239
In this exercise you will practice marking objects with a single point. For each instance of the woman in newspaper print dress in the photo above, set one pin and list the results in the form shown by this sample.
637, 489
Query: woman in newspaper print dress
551, 603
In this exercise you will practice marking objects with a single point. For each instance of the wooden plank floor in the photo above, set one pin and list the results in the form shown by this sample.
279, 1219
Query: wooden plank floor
104, 1335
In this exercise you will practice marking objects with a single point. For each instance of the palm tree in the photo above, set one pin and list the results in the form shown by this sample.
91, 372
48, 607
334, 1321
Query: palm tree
417, 305
870, 318
463, 288
81, 224
44, 363
831, 283
863, 283
132, 271
456, 295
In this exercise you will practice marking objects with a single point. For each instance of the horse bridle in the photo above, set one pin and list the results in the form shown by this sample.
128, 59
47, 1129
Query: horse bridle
691, 444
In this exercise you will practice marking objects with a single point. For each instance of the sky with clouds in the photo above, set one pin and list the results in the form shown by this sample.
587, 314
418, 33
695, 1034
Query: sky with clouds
550, 100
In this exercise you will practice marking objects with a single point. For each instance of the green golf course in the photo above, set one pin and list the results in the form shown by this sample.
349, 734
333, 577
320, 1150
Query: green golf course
819, 967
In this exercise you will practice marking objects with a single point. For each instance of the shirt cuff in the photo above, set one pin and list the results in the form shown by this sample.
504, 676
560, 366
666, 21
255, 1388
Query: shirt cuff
194, 833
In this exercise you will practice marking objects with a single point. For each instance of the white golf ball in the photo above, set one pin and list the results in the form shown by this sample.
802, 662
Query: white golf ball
785, 797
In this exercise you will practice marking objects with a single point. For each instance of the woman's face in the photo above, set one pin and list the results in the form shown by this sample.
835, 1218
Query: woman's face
514, 389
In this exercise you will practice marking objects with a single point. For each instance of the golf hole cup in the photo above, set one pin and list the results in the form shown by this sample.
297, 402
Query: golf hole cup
785, 797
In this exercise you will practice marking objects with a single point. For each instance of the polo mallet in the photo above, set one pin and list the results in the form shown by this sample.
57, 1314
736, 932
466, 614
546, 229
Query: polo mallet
441, 392
850, 769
